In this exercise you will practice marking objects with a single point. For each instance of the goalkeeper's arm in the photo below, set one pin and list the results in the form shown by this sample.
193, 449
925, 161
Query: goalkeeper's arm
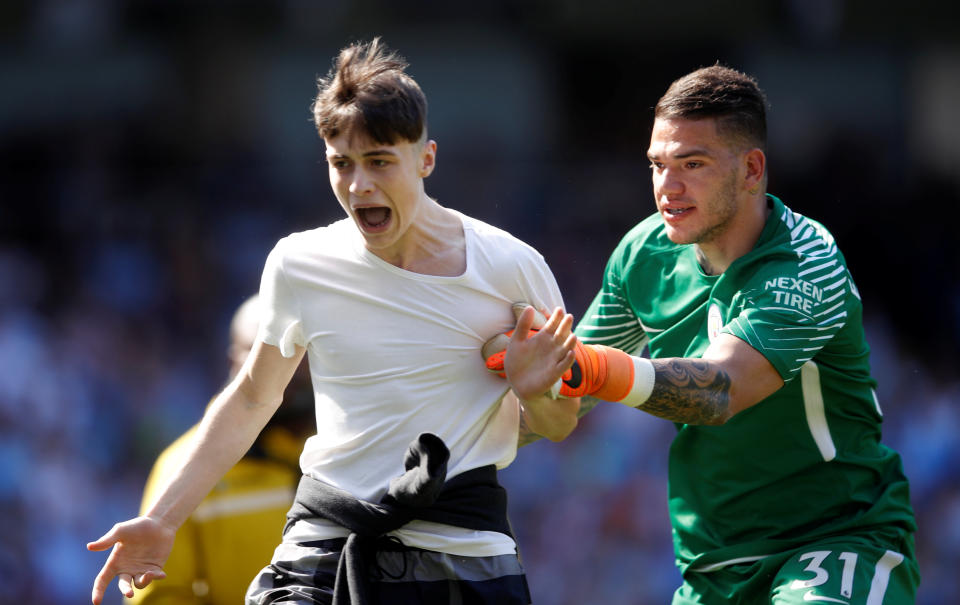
730, 377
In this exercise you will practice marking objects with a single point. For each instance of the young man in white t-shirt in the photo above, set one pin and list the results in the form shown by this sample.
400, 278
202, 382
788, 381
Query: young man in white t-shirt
391, 305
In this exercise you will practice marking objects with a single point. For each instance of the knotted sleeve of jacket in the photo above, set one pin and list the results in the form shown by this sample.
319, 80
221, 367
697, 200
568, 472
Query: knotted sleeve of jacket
473, 500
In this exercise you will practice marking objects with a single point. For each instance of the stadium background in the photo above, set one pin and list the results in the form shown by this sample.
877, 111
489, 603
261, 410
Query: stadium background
152, 152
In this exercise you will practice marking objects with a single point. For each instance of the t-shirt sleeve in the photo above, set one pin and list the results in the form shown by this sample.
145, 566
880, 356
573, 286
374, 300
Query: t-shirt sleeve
280, 323
789, 319
540, 285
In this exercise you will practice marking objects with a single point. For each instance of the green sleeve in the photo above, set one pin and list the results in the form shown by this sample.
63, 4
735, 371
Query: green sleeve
789, 316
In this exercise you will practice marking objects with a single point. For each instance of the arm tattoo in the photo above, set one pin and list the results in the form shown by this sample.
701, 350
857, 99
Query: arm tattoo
690, 391
587, 403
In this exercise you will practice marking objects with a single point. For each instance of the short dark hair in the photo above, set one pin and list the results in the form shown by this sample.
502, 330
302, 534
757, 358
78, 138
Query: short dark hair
368, 91
733, 98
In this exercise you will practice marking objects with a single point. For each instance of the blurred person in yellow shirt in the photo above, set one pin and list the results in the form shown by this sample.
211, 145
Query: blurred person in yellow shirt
232, 534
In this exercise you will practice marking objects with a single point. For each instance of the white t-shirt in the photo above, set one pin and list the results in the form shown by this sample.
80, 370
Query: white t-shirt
393, 354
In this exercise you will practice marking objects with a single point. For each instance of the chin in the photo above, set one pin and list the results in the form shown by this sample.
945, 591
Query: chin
679, 238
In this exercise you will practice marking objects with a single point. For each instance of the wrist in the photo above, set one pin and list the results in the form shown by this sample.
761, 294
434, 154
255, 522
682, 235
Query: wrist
622, 378
643, 380
162, 522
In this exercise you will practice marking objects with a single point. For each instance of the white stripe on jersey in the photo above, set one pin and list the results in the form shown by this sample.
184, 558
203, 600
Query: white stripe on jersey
814, 408
881, 577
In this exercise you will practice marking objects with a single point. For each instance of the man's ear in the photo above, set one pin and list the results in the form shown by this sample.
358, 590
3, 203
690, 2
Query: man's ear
755, 162
428, 159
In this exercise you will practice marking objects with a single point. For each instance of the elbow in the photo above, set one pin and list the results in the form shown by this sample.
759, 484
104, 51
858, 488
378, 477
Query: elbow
721, 412
562, 430
719, 418
713, 413
553, 419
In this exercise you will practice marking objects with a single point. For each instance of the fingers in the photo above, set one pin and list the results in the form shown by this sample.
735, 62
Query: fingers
539, 317
553, 320
492, 352
106, 574
558, 323
126, 580
565, 330
554, 337
125, 584
570, 345
524, 323
105, 541
559, 328
145, 578
100, 585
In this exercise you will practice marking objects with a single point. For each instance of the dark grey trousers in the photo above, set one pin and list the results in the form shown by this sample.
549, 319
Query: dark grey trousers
305, 574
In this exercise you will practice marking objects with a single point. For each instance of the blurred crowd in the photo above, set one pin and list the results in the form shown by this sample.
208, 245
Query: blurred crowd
144, 178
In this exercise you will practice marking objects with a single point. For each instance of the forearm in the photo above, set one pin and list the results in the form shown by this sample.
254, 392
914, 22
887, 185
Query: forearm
547, 417
228, 429
730, 377
690, 391
528, 436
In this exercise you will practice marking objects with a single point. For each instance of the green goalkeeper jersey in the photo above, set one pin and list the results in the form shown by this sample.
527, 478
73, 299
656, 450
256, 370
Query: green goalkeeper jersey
802, 464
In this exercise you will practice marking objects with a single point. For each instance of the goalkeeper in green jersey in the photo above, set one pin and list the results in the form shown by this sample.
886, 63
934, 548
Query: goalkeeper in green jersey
780, 490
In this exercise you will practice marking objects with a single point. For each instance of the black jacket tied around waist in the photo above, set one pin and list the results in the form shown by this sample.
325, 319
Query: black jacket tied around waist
472, 500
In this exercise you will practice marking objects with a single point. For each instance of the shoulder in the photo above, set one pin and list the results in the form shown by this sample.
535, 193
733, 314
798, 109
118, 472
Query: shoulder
335, 238
806, 235
800, 266
487, 232
801, 246
496, 241
329, 235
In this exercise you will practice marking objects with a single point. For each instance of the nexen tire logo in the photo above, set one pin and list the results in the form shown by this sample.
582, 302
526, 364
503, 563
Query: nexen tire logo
714, 322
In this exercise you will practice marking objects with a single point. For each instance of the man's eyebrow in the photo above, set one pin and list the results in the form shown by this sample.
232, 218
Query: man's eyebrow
371, 153
698, 151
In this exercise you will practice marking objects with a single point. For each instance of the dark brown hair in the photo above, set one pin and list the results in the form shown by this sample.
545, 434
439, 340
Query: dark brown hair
368, 92
733, 98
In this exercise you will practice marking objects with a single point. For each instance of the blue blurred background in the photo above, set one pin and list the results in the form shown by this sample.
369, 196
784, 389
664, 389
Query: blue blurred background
152, 152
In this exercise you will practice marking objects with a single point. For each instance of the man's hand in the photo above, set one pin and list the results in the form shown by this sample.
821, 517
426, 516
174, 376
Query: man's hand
534, 364
597, 370
140, 548
575, 382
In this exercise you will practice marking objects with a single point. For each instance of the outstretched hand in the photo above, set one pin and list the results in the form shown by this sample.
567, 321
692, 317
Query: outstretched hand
140, 548
534, 365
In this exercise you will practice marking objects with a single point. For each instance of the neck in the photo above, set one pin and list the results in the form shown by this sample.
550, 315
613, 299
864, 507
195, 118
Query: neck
433, 245
716, 255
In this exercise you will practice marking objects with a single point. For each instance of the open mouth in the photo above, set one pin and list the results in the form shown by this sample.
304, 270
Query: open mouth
677, 211
374, 217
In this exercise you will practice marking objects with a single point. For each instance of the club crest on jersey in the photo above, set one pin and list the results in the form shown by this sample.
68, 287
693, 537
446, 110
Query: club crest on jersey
714, 322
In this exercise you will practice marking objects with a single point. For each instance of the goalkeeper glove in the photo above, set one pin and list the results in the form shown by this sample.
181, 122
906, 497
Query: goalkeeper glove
600, 371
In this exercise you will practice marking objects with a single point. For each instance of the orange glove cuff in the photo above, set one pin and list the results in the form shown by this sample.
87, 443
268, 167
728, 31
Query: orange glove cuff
616, 380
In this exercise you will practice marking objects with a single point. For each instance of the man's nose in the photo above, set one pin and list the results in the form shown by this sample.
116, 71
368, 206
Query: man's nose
669, 182
361, 183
